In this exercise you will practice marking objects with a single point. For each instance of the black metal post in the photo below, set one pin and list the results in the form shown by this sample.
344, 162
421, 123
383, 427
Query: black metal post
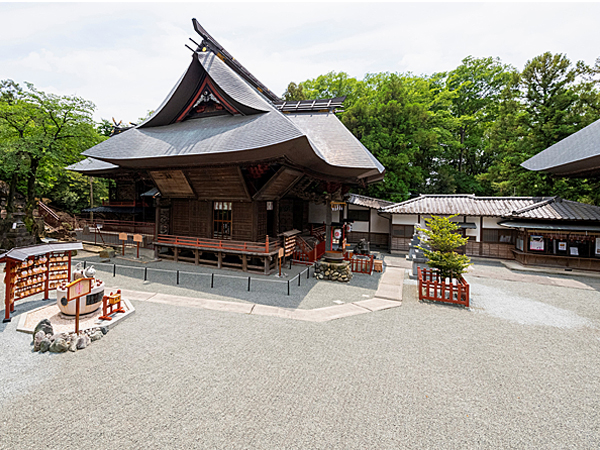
177, 276
114, 271
249, 284
145, 273
298, 279
308, 273
212, 280
288, 287
84, 264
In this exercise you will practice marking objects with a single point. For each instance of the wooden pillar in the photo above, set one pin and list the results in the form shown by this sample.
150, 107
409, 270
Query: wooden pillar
480, 235
8, 285
197, 257
266, 263
219, 260
156, 226
175, 254
245, 263
328, 225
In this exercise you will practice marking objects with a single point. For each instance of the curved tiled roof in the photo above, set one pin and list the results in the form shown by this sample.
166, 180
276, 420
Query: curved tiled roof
91, 166
578, 153
319, 142
333, 141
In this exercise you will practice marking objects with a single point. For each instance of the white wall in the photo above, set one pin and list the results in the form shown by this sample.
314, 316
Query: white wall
379, 224
492, 222
404, 219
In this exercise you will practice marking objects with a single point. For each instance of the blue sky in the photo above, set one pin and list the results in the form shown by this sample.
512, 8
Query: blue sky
125, 57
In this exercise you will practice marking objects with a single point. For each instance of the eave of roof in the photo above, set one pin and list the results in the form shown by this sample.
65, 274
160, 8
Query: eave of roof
576, 154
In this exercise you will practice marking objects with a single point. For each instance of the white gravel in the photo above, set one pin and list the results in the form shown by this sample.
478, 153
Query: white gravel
422, 376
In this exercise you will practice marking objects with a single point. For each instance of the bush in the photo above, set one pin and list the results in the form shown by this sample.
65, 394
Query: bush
443, 239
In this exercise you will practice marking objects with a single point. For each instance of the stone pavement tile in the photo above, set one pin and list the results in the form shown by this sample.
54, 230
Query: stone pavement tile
378, 304
393, 276
336, 312
219, 305
265, 310
389, 292
132, 295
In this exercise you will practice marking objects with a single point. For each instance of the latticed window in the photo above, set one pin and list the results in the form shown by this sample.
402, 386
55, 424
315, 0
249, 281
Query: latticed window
222, 220
493, 235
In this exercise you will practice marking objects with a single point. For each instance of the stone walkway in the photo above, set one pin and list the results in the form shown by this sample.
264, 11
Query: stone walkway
388, 295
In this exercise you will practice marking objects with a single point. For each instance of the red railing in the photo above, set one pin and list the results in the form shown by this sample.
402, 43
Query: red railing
49, 216
304, 254
432, 287
362, 263
318, 232
216, 244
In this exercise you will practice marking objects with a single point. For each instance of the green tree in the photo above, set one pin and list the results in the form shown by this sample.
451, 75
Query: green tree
294, 92
443, 240
39, 134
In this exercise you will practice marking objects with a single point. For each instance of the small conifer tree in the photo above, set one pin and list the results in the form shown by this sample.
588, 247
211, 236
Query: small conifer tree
443, 239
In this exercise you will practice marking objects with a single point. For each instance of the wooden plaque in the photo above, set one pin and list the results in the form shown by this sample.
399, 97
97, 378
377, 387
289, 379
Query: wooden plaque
79, 288
122, 236
138, 238
281, 250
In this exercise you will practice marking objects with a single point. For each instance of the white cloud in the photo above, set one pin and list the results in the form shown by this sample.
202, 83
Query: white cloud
125, 57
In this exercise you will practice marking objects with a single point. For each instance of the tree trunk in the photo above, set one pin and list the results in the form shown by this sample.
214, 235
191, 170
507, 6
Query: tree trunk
10, 204
31, 203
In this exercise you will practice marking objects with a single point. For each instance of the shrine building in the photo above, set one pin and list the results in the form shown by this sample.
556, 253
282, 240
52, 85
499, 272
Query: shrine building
227, 170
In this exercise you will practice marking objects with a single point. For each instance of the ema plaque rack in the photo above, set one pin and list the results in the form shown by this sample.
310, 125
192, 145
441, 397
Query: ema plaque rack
34, 270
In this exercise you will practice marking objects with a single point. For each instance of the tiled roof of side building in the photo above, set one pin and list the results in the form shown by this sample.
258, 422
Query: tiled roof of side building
463, 204
368, 202
559, 209
541, 208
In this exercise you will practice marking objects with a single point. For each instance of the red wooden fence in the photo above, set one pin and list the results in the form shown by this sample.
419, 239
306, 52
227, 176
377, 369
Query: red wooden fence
432, 287
362, 264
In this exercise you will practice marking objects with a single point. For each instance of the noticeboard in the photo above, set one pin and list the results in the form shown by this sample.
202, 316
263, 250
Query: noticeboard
79, 288
122, 236
138, 238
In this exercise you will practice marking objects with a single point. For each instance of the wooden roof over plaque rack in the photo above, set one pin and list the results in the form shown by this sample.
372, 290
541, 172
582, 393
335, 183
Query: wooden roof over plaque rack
208, 42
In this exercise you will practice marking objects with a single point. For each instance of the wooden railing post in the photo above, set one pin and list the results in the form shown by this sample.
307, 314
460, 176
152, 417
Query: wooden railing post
267, 244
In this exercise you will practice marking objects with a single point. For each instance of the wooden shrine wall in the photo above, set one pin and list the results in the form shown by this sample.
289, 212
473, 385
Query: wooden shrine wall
242, 218
260, 209
191, 218
218, 183
286, 214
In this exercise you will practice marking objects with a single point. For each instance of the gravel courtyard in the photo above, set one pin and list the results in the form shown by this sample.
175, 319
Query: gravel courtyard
518, 370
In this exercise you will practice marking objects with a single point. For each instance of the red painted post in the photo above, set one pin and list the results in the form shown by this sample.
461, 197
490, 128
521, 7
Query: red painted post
267, 244
8, 289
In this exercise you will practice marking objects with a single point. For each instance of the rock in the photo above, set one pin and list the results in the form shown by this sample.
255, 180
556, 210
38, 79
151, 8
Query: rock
104, 330
37, 340
59, 346
83, 341
45, 345
107, 253
97, 335
45, 326
63, 336
73, 344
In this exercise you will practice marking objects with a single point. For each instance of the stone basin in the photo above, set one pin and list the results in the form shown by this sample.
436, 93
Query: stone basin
333, 256
87, 304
